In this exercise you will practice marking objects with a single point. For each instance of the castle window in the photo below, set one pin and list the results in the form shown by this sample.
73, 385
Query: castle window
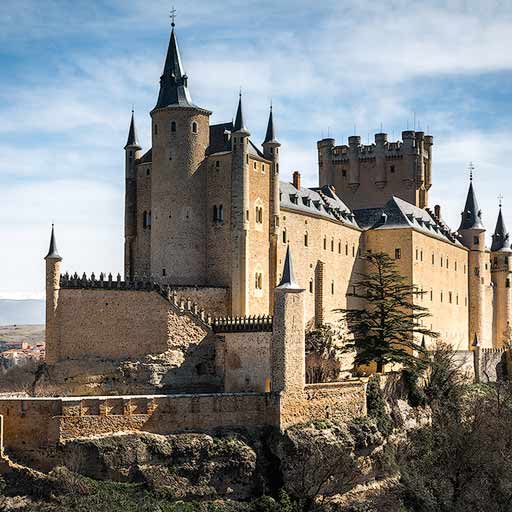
218, 213
217, 163
164, 272
148, 172
447, 265
277, 168
457, 299
131, 154
455, 265
254, 165
433, 258
332, 288
344, 173
258, 281
311, 286
325, 243
441, 261
507, 283
259, 214
284, 236
353, 251
332, 245
194, 127
475, 240
441, 296
450, 297
398, 254
173, 126
431, 295
339, 246
392, 169
477, 271
346, 249
306, 239
417, 254
421, 255
156, 129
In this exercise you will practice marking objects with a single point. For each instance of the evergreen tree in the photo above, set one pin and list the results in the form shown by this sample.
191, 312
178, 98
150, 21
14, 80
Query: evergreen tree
386, 329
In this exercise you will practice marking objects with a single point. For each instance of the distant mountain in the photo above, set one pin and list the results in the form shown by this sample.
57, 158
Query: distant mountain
21, 312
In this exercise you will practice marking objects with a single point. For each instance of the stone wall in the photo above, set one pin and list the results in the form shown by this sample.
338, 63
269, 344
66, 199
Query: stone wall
246, 361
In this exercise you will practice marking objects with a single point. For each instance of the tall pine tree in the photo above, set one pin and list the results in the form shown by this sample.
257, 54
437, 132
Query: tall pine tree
385, 330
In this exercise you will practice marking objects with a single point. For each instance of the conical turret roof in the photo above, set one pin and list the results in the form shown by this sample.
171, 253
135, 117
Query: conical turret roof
270, 136
239, 125
133, 140
500, 238
472, 215
174, 81
53, 254
288, 279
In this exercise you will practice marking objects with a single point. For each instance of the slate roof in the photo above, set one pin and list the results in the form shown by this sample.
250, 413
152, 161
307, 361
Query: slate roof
147, 157
53, 253
133, 140
321, 202
500, 238
472, 215
270, 136
218, 141
239, 125
398, 213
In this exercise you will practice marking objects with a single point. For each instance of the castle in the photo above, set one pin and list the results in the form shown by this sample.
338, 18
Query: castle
206, 328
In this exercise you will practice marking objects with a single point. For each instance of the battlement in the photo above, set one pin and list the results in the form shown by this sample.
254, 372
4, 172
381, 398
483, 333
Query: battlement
243, 324
412, 143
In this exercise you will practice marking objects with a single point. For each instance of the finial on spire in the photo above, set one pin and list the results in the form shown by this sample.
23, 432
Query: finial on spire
239, 125
471, 169
173, 17
500, 199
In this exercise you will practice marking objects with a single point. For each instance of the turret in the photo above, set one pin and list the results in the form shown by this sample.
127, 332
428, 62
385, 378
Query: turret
472, 234
325, 166
501, 269
354, 179
180, 138
53, 264
240, 212
132, 151
288, 338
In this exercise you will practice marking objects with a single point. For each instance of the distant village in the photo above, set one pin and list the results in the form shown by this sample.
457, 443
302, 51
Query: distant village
21, 345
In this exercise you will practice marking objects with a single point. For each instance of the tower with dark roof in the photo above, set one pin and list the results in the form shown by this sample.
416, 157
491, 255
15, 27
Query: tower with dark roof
180, 138
271, 149
472, 235
53, 271
501, 274
132, 151
240, 212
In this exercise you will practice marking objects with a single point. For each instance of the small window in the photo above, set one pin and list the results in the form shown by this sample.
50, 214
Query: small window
392, 169
306, 239
325, 243
148, 172
217, 163
344, 173
433, 259
311, 286
421, 255
194, 127
332, 245
156, 129
450, 297
258, 281
398, 254
431, 295
255, 165
164, 272
441, 296
332, 287
353, 251
339, 246
417, 254
475, 240
346, 249
173, 126
284, 236
259, 214
455, 265
507, 283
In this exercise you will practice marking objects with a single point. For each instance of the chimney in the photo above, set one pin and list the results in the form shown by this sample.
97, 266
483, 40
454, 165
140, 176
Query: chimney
296, 180
437, 211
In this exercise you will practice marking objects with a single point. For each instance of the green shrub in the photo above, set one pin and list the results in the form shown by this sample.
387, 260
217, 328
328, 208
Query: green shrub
377, 408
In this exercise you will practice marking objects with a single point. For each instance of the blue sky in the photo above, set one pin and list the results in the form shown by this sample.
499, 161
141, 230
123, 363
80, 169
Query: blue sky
71, 69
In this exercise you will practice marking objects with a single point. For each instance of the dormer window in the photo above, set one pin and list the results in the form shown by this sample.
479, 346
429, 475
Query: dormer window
294, 198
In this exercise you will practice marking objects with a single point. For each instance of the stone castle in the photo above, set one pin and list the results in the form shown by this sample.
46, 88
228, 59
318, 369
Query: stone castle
206, 327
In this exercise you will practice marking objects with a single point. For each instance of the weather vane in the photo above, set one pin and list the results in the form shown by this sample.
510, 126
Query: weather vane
500, 199
471, 169
173, 16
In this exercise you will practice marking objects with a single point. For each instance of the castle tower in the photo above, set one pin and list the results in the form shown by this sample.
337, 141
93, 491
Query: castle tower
501, 269
325, 166
180, 137
271, 151
288, 336
239, 213
472, 233
53, 264
132, 151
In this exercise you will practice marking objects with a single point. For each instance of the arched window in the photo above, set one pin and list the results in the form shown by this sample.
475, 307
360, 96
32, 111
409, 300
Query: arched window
284, 236
194, 127
259, 214
173, 126
311, 286
258, 281
325, 243
306, 239
339, 246
332, 287
332, 245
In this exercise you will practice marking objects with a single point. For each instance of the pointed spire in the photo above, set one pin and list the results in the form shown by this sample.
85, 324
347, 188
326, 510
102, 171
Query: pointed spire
472, 215
239, 125
53, 254
270, 136
133, 140
288, 279
174, 81
476, 342
500, 238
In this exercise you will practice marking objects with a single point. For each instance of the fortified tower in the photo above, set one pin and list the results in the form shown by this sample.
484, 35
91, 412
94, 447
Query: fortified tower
239, 213
53, 263
132, 153
180, 138
271, 151
367, 176
501, 269
472, 234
